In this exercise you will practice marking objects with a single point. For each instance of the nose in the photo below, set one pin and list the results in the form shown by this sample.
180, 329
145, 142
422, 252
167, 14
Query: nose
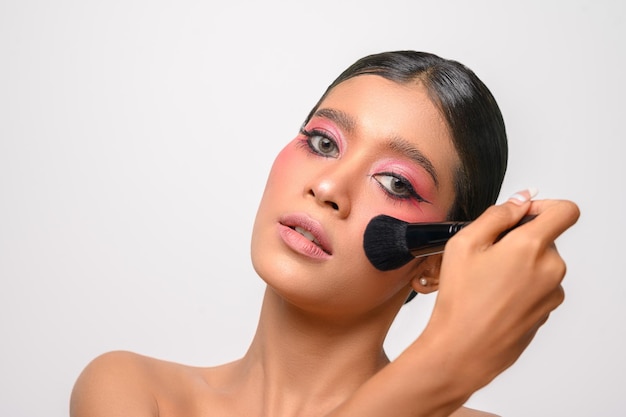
332, 189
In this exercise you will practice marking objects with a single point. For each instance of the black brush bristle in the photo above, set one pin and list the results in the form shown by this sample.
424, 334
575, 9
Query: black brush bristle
385, 244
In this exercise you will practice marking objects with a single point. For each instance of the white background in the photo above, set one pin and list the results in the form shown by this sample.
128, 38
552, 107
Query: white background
136, 136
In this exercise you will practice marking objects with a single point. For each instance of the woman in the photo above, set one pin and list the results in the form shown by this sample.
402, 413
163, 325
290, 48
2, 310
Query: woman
405, 134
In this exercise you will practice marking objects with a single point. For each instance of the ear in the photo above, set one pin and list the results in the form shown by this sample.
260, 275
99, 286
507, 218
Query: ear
427, 277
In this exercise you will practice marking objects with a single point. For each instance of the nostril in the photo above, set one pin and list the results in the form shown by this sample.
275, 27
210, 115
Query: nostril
331, 203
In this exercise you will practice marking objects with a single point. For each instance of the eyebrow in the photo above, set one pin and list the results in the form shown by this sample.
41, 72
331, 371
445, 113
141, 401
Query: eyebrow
344, 120
396, 144
404, 147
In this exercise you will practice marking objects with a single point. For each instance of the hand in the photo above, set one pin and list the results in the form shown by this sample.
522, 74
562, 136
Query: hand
493, 297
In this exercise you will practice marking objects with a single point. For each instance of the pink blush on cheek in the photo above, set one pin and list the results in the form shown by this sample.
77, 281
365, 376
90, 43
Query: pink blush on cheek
427, 215
430, 217
285, 158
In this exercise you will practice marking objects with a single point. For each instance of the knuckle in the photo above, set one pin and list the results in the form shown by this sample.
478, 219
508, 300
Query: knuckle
557, 297
462, 242
556, 268
560, 295
531, 244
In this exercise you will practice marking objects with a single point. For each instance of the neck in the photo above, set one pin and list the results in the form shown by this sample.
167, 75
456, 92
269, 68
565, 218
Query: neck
304, 361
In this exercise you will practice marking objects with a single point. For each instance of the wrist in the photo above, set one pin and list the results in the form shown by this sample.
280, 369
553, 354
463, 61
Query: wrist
445, 369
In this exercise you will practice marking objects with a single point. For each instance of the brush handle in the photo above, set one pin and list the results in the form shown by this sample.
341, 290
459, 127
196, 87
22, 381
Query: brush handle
425, 239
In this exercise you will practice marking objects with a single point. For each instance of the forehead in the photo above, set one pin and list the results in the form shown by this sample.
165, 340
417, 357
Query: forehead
392, 99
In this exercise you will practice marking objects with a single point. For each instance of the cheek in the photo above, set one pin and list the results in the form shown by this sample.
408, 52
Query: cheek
279, 176
283, 182
405, 211
284, 158
284, 166
425, 214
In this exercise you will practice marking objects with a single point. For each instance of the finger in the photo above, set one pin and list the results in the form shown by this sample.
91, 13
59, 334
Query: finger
489, 226
553, 218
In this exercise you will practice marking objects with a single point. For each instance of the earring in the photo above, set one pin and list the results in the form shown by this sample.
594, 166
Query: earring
423, 282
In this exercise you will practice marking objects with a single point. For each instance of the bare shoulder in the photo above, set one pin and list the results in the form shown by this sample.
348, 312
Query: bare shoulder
114, 384
469, 412
124, 383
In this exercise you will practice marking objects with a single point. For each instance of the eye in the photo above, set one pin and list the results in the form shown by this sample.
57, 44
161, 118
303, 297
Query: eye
397, 186
321, 144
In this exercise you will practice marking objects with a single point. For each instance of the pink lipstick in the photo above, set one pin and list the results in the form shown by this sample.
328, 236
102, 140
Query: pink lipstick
304, 235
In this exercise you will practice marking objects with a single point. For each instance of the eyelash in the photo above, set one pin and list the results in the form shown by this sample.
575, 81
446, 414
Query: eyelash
412, 194
308, 144
311, 134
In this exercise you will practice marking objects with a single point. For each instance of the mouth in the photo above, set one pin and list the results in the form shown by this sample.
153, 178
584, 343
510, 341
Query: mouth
309, 236
310, 230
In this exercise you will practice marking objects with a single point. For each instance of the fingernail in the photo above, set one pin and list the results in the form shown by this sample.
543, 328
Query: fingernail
521, 197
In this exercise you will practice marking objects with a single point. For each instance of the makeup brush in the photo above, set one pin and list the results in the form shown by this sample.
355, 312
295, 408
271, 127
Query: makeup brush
390, 243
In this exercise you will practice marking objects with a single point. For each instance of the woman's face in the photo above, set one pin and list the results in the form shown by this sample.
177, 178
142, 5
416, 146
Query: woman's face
372, 147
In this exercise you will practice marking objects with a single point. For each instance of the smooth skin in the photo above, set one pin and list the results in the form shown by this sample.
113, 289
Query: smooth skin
318, 350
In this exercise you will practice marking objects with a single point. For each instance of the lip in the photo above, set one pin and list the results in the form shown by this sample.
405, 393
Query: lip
298, 242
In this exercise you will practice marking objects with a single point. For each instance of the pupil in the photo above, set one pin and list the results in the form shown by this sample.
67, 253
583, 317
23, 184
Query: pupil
398, 185
326, 144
